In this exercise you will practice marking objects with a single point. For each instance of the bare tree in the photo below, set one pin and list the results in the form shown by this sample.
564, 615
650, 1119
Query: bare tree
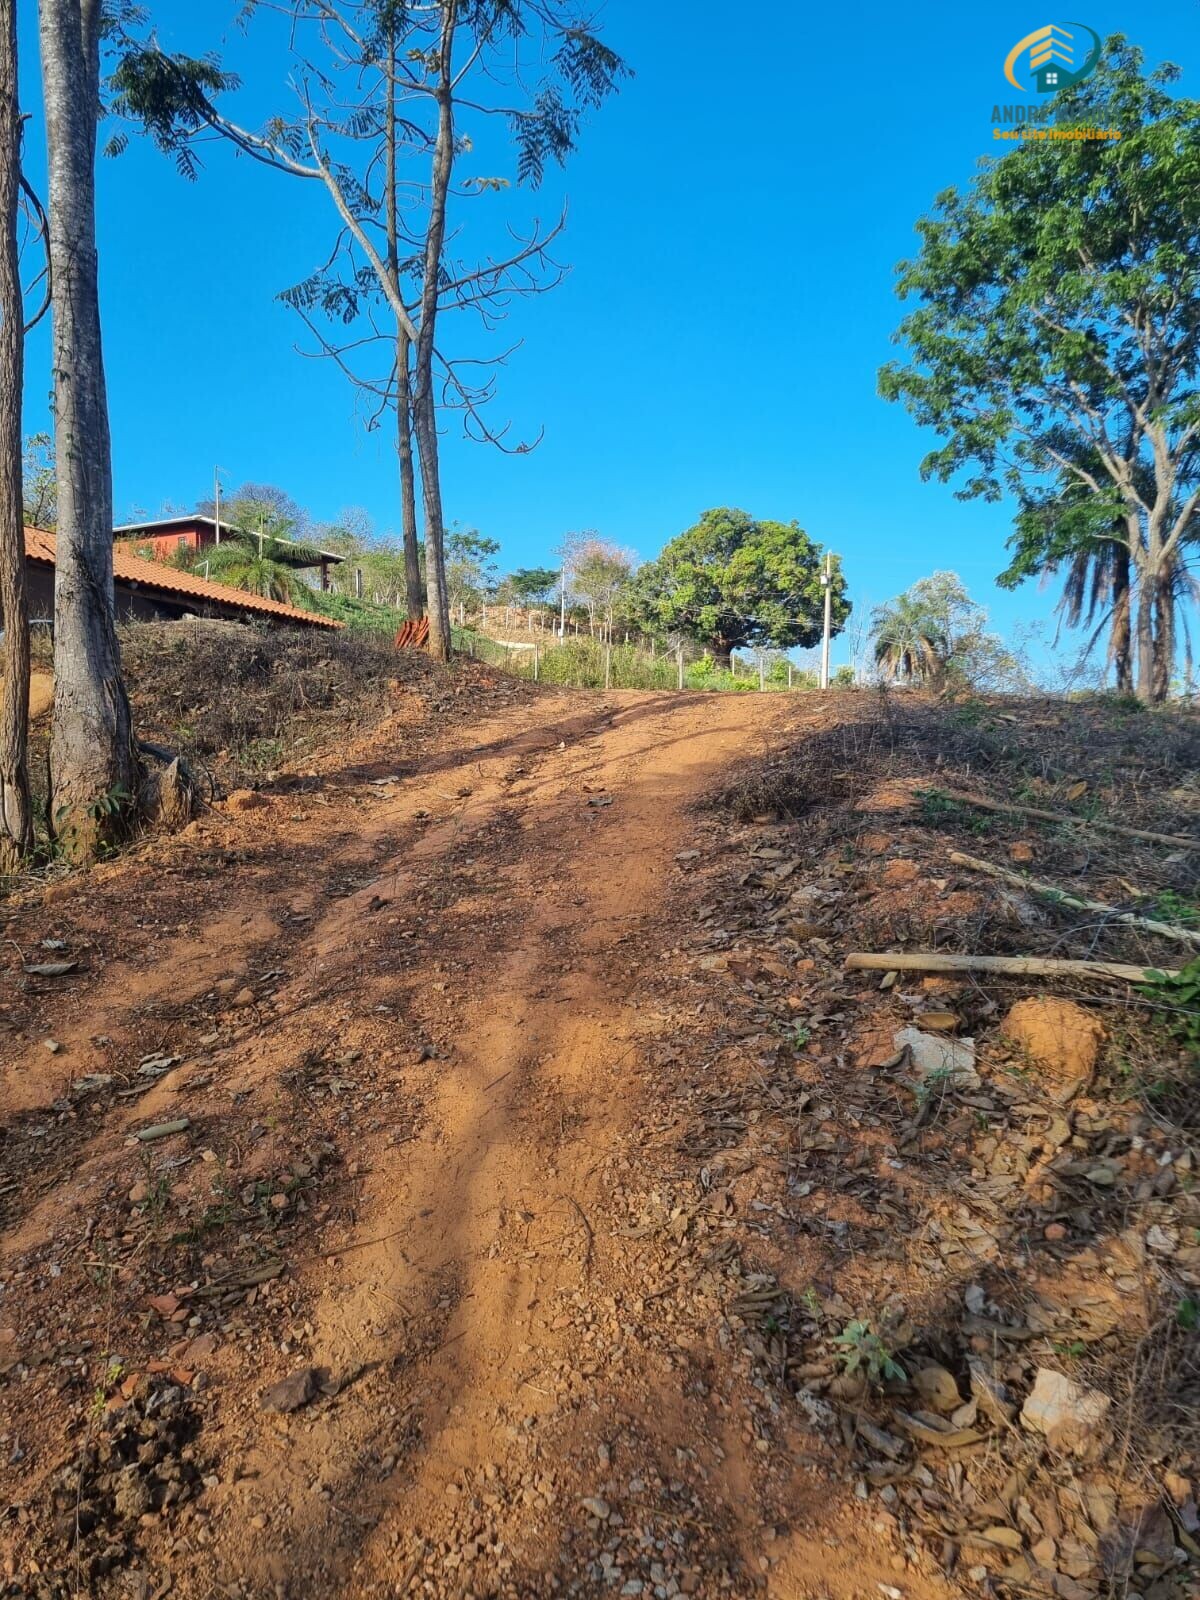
93, 759
16, 819
378, 82
597, 571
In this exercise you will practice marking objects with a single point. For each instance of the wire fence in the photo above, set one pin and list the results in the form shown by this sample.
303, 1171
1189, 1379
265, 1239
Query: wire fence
597, 664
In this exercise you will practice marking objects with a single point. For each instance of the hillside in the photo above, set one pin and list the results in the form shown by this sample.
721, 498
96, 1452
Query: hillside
465, 1165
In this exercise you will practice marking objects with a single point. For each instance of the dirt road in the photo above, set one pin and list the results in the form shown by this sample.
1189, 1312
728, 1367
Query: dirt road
428, 1024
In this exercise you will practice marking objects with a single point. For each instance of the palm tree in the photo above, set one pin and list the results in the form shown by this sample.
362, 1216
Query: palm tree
1097, 583
909, 643
1098, 590
255, 565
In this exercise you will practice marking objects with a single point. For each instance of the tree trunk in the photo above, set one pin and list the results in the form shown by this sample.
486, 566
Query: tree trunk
1144, 640
437, 595
93, 759
1120, 637
424, 408
722, 654
414, 592
1164, 637
413, 587
16, 818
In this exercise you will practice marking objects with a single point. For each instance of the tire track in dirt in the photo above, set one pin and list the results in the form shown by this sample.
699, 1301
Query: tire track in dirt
473, 1219
476, 1293
120, 1000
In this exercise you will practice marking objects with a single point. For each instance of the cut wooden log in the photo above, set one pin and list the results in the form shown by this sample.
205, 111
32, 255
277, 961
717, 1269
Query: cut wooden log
1181, 841
1063, 897
1006, 966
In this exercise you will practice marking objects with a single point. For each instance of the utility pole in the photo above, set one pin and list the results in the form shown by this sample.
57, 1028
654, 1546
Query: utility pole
827, 585
217, 500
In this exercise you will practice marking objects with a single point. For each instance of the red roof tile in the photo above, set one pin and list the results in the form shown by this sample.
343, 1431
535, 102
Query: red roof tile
156, 575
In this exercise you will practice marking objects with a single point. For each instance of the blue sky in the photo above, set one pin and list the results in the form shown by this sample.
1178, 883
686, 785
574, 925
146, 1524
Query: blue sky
736, 214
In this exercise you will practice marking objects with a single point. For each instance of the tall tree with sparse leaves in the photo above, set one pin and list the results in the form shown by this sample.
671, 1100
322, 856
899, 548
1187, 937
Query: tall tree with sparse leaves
384, 85
16, 818
1055, 343
94, 765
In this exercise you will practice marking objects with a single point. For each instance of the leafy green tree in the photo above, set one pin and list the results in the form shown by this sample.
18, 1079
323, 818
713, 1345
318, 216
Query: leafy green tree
1056, 341
732, 581
470, 566
529, 586
375, 567
936, 635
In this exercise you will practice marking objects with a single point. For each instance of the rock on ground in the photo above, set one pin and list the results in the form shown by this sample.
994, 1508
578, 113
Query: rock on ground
1070, 1418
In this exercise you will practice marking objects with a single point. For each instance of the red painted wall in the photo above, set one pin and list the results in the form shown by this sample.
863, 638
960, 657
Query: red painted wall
165, 545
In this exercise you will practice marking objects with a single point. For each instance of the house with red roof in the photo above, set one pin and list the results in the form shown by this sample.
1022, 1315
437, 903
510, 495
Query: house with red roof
148, 591
167, 536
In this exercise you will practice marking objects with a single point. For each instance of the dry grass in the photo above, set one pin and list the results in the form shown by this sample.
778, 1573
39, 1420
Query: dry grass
239, 700
1143, 764
1105, 1273
1101, 759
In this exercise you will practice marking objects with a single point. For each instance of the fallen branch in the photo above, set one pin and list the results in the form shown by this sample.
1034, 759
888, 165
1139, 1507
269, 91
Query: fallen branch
1181, 840
1063, 897
1009, 966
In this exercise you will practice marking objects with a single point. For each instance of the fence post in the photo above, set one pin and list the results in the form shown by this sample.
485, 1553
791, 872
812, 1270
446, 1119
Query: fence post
608, 664
535, 661
789, 674
680, 658
762, 671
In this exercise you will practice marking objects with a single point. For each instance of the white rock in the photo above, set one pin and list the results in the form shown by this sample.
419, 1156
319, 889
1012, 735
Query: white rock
1070, 1418
933, 1053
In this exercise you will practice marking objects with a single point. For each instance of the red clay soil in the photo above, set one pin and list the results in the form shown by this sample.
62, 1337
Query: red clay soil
427, 1026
